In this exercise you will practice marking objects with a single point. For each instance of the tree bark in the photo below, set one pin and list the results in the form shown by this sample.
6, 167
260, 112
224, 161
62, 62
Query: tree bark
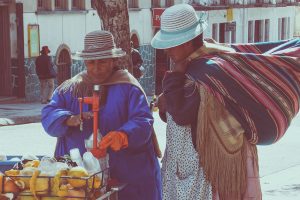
114, 18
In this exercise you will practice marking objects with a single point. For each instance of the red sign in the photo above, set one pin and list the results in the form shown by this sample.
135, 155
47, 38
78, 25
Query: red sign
156, 13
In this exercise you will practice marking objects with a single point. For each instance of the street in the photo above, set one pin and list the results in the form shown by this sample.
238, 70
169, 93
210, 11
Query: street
279, 163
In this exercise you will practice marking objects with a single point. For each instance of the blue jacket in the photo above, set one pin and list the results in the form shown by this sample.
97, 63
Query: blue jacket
126, 110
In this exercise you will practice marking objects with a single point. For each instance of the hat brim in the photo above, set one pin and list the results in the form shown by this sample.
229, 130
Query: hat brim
166, 40
114, 53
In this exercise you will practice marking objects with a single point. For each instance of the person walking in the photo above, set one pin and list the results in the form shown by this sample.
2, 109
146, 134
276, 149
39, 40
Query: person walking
137, 61
46, 73
219, 102
125, 120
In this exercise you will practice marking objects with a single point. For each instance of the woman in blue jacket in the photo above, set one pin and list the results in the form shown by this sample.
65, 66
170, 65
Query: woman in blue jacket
125, 121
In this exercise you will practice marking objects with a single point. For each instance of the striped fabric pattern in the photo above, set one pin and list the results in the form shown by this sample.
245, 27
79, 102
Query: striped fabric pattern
99, 45
262, 90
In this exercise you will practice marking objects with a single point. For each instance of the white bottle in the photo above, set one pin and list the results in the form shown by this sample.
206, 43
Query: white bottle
76, 157
90, 163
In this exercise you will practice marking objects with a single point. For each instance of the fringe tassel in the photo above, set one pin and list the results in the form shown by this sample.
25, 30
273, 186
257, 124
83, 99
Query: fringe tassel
226, 171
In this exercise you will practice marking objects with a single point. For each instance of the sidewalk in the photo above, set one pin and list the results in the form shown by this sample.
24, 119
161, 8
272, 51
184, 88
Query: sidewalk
14, 114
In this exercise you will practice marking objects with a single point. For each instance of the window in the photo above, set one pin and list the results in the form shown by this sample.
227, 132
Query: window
44, 4
225, 32
233, 36
222, 33
267, 30
250, 31
169, 3
155, 3
215, 32
288, 27
133, 4
258, 31
60, 4
279, 28
40, 4
77, 4
283, 28
223, 2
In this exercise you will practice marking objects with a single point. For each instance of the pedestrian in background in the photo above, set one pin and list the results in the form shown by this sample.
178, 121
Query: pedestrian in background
219, 101
137, 61
125, 120
46, 73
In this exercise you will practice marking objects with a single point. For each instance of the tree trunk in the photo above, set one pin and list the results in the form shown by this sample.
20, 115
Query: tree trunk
114, 17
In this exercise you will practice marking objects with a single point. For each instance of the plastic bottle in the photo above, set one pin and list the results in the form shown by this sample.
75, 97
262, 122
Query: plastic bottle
90, 163
76, 157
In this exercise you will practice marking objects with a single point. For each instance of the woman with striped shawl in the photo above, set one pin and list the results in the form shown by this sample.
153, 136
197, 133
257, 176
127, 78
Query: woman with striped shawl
219, 103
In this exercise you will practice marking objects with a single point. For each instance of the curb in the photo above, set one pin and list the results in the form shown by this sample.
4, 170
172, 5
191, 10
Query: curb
19, 120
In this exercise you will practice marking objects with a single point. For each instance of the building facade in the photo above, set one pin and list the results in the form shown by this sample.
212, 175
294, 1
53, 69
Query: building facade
62, 24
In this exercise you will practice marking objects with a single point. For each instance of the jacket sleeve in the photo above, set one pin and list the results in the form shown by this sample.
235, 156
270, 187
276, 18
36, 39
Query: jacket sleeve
140, 120
182, 98
37, 67
54, 115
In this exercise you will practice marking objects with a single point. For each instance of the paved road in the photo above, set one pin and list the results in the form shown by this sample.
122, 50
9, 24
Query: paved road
279, 163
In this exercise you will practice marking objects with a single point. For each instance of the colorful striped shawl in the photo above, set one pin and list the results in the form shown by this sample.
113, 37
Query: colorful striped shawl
259, 84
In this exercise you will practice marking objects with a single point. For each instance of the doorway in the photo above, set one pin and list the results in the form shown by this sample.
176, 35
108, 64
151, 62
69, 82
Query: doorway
63, 65
5, 55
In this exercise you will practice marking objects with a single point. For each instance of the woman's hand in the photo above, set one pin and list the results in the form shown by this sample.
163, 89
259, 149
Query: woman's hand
161, 103
74, 120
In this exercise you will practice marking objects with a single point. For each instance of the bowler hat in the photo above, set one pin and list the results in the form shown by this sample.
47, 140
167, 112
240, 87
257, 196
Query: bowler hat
45, 49
99, 45
179, 24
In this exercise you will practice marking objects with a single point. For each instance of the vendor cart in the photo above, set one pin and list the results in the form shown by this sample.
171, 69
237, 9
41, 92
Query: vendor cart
104, 189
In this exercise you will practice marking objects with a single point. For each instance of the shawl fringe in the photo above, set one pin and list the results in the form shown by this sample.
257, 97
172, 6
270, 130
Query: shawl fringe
224, 164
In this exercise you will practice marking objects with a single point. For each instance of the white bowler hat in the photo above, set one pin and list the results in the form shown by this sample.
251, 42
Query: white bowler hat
179, 24
99, 45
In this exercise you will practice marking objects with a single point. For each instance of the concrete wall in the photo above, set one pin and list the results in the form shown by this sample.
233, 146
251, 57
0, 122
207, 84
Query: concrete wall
58, 28
242, 16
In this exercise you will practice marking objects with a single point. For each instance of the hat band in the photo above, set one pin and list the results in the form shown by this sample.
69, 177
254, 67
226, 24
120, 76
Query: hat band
98, 49
200, 21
